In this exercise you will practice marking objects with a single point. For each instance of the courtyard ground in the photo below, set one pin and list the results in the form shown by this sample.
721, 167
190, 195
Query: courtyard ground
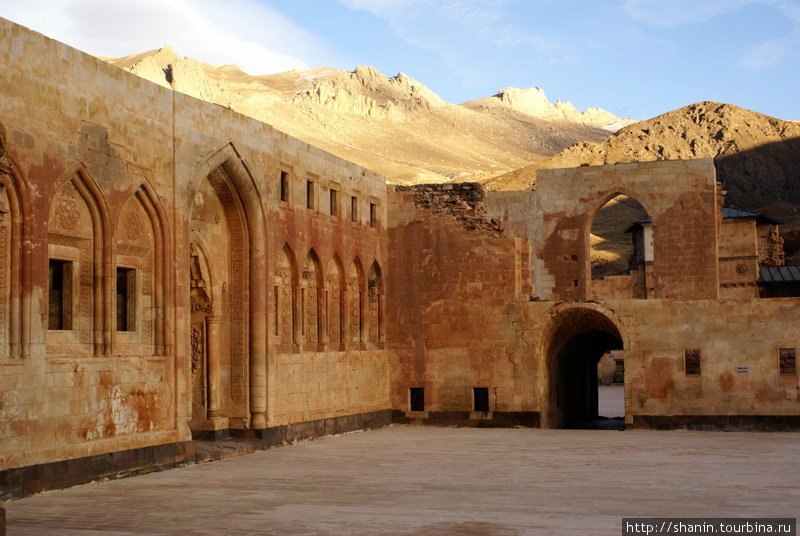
413, 480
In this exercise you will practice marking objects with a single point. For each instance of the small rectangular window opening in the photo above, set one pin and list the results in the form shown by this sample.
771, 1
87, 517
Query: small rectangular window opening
126, 299
59, 295
284, 187
373, 215
310, 194
691, 362
334, 202
354, 208
788, 361
416, 398
480, 399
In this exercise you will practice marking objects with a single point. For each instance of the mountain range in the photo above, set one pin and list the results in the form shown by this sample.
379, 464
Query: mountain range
401, 129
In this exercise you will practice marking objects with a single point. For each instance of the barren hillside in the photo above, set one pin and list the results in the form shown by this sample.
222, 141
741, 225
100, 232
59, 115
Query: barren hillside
395, 126
757, 156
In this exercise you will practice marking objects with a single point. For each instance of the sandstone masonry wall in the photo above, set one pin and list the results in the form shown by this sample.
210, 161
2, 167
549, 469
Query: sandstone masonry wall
72, 119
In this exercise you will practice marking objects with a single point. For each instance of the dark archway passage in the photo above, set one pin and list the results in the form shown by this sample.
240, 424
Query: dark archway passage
576, 341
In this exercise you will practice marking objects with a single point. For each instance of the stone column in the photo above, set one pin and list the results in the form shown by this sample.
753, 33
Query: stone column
212, 357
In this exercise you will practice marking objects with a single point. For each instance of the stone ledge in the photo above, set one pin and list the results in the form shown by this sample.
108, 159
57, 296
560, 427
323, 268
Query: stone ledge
763, 423
496, 419
303, 431
26, 481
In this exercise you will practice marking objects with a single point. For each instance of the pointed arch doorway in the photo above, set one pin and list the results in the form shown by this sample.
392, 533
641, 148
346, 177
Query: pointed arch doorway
227, 299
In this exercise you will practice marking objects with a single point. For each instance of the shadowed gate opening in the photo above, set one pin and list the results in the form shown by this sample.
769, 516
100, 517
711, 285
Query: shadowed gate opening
577, 339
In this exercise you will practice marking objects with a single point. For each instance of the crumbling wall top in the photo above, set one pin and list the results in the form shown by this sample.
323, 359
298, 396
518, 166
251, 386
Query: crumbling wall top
465, 201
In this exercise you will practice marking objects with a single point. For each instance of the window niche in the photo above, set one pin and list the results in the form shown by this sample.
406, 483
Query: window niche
284, 186
787, 363
691, 362
311, 193
353, 208
373, 215
126, 299
75, 226
416, 399
334, 202
480, 399
59, 295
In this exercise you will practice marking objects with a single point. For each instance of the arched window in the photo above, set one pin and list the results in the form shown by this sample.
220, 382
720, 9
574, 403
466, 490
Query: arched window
76, 320
284, 299
612, 246
621, 245
334, 301
375, 293
14, 257
310, 285
138, 280
355, 300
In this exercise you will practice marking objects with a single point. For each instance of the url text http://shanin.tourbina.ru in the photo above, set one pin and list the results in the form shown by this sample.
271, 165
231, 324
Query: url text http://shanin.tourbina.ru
657, 526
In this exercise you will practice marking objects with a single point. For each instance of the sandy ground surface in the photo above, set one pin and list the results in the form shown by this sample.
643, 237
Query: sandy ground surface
409, 480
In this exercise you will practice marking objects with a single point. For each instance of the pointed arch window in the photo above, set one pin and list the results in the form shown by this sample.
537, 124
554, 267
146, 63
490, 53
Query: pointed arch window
284, 299
310, 299
334, 301
375, 295
355, 300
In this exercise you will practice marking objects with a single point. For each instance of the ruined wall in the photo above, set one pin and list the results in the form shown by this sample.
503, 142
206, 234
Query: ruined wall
457, 289
681, 200
109, 177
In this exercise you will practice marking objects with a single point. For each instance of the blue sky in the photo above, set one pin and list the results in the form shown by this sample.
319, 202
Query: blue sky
635, 58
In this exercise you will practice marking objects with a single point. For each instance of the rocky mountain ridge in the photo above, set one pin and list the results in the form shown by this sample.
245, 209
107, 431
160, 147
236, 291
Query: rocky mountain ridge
535, 103
757, 156
393, 125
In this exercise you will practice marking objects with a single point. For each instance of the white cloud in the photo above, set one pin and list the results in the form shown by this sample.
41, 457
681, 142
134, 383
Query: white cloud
775, 51
677, 12
766, 55
244, 32
469, 35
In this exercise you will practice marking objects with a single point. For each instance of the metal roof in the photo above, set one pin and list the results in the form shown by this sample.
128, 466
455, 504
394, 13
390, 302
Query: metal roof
728, 213
779, 274
733, 212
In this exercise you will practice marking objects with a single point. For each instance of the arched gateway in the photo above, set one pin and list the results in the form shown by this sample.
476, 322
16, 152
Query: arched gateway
574, 339
227, 289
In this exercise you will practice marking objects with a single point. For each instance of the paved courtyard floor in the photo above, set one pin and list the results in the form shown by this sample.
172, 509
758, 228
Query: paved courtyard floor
413, 480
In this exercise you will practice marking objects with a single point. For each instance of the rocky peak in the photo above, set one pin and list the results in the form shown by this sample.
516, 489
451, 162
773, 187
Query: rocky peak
534, 102
366, 91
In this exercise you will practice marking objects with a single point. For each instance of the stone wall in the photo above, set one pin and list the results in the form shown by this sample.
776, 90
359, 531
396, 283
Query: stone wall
681, 200
456, 322
740, 375
109, 176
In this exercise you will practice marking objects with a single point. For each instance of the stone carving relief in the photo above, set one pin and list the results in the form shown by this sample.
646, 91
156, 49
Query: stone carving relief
375, 292
334, 289
197, 348
285, 300
354, 284
66, 211
200, 281
310, 283
133, 226
4, 286
236, 290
